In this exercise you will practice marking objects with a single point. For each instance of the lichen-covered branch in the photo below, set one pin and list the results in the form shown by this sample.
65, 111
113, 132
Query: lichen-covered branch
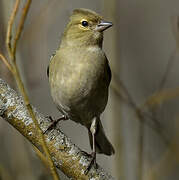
66, 156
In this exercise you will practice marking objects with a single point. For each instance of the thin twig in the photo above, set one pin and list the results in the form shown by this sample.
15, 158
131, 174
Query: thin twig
118, 85
167, 71
141, 151
9, 27
155, 111
29, 107
41, 156
5, 61
20, 27
142, 115
19, 82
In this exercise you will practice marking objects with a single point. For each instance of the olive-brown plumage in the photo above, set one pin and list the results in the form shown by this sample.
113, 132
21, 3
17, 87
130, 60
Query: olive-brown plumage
79, 75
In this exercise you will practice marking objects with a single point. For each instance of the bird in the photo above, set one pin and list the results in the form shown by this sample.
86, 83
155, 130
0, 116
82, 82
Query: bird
79, 77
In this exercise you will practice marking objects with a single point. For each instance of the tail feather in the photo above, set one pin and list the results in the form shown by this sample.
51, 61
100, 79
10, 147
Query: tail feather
102, 143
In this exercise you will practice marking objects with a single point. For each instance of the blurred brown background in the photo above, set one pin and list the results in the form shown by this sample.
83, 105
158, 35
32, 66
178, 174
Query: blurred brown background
142, 48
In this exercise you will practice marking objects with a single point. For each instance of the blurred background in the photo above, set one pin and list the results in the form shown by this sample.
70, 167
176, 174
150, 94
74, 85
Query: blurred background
141, 118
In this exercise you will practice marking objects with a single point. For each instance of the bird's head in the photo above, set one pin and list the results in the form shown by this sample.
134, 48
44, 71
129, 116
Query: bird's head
85, 27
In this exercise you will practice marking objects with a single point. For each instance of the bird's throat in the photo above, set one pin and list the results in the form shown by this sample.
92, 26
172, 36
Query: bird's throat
85, 40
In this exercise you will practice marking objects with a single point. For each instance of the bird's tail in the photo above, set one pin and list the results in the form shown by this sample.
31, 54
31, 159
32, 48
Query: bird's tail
102, 143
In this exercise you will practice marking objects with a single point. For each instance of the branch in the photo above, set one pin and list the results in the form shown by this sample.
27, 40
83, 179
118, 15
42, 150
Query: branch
66, 156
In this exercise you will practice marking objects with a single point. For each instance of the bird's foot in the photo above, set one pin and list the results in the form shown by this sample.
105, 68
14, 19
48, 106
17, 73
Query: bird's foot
54, 122
92, 163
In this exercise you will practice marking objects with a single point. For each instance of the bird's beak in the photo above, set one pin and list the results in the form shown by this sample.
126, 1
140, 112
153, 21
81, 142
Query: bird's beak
103, 25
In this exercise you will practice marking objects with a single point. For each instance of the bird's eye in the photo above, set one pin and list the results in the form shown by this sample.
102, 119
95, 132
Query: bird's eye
84, 23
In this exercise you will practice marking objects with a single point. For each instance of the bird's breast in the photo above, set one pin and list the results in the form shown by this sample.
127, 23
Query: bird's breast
79, 79
82, 74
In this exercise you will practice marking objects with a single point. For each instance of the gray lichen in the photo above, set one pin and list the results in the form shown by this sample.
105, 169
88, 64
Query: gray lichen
13, 99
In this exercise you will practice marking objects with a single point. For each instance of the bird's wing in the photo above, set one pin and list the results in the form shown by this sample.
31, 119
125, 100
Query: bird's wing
48, 71
51, 57
109, 74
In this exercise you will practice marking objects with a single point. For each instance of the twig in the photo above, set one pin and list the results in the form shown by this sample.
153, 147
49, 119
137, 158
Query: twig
161, 96
142, 115
12, 55
167, 71
118, 85
9, 27
128, 98
41, 156
141, 151
5, 61
20, 27
29, 108
158, 92
67, 156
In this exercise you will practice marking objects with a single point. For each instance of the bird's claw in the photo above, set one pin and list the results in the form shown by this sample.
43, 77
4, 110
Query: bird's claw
54, 122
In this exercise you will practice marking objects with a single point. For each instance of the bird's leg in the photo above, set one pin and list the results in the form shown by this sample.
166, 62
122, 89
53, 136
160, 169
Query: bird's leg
54, 122
93, 130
